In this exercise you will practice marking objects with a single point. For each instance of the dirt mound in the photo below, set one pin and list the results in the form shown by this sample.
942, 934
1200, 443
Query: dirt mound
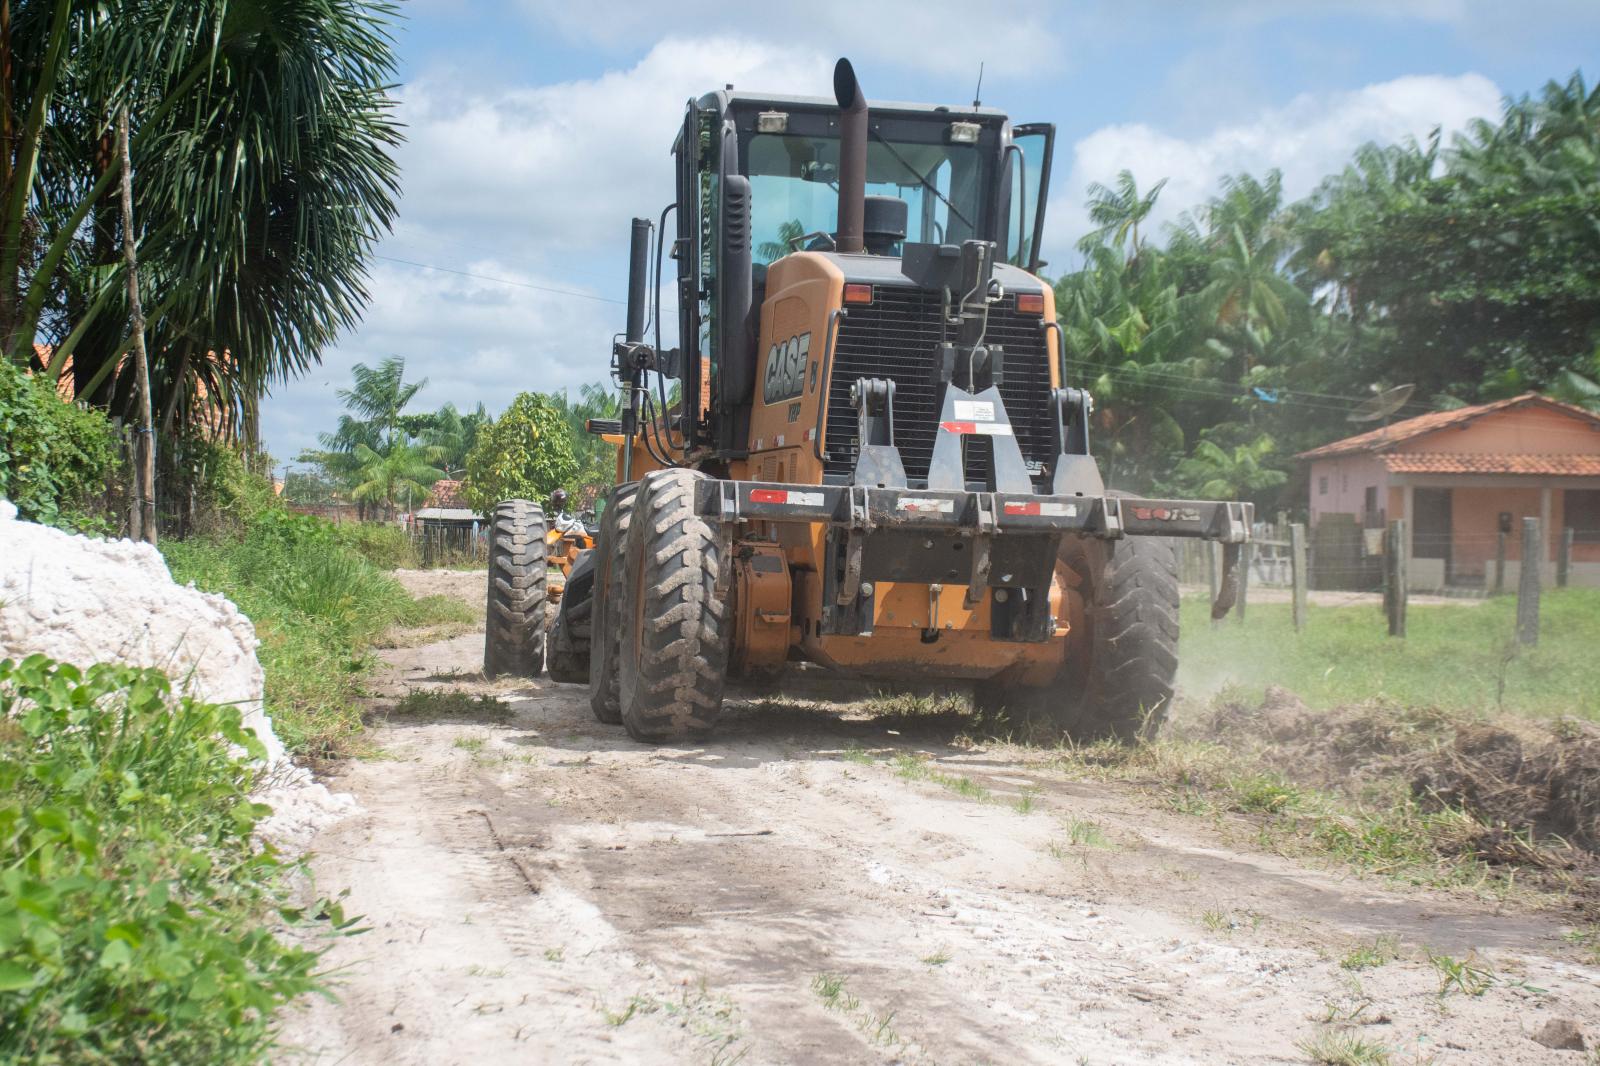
84, 601
81, 600
1547, 787
1521, 780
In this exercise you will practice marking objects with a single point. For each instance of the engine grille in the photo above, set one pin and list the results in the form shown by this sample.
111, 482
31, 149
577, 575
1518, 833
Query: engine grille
895, 337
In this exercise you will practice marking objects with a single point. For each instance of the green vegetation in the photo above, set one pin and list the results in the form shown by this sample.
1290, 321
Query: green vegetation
55, 457
1253, 327
260, 141
317, 605
1456, 658
526, 454
1467, 976
134, 904
1335, 1047
913, 768
1383, 950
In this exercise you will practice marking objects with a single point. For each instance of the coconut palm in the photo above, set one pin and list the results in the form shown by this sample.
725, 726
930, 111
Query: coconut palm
1118, 211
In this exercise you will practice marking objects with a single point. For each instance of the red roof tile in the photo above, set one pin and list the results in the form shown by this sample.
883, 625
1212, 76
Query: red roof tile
1379, 440
1470, 463
444, 494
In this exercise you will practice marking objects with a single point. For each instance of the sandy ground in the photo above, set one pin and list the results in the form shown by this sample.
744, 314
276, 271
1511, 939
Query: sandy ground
542, 890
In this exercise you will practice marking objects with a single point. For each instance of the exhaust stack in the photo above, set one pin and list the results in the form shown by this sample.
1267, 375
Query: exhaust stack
852, 157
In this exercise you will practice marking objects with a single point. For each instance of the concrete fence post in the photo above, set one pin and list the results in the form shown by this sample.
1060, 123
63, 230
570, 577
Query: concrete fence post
1528, 582
1564, 559
1500, 564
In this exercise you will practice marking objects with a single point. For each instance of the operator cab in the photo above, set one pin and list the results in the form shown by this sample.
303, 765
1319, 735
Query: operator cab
759, 178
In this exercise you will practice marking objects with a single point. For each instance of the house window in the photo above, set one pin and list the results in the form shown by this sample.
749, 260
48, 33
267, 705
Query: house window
1322, 485
1581, 508
1372, 500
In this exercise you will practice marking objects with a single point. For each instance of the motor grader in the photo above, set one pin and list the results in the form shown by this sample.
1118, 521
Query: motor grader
868, 451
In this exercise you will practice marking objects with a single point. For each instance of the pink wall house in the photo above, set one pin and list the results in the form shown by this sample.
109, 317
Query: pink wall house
1459, 477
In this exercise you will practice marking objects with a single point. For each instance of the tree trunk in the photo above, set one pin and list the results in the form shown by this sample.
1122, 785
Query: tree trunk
145, 467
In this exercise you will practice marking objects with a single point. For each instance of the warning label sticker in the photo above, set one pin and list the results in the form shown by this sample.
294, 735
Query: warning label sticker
974, 410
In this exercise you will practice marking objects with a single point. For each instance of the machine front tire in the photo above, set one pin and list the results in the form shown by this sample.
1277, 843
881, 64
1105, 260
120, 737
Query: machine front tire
605, 641
1122, 678
514, 624
674, 626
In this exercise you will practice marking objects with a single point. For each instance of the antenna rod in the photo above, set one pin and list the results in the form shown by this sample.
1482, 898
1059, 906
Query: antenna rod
978, 92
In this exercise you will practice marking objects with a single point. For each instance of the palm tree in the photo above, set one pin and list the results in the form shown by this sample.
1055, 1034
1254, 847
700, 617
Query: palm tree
261, 133
404, 470
1117, 212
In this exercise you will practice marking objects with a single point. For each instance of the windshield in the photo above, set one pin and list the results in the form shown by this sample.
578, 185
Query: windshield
794, 188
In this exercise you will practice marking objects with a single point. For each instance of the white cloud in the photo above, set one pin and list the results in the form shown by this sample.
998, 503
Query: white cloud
534, 185
1309, 138
940, 37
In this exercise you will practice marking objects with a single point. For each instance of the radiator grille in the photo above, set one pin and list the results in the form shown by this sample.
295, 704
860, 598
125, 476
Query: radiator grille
895, 337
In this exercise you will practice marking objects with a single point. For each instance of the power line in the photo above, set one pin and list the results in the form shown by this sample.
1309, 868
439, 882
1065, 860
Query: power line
501, 281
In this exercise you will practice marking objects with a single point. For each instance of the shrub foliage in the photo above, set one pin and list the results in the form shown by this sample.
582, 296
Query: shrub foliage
55, 456
134, 906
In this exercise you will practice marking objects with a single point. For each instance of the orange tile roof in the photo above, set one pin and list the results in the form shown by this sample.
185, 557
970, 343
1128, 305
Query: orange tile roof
444, 493
1469, 463
1379, 440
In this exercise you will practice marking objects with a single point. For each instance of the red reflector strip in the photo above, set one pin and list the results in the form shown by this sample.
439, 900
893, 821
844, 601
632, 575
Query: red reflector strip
769, 496
982, 429
1022, 508
1030, 303
857, 293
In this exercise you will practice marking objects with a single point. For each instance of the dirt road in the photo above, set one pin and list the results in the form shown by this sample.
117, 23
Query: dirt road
543, 890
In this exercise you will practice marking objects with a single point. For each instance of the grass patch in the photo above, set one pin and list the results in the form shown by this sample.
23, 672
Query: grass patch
1333, 1047
318, 607
938, 958
876, 1026
1383, 950
913, 768
135, 904
472, 744
435, 704
1467, 976
1454, 657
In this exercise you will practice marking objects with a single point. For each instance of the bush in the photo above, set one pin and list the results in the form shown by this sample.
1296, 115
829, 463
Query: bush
55, 457
133, 901
384, 546
525, 454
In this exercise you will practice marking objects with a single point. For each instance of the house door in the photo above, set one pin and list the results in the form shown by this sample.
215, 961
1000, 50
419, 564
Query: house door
1430, 536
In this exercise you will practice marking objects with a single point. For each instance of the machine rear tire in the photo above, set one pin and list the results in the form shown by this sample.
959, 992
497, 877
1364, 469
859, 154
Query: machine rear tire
605, 641
1124, 678
674, 626
514, 623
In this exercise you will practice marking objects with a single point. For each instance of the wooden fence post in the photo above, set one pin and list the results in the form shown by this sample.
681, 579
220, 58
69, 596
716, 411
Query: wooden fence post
1395, 569
1297, 573
1528, 582
1564, 558
1500, 565
1246, 551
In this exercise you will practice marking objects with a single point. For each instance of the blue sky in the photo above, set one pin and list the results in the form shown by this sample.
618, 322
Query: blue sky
537, 128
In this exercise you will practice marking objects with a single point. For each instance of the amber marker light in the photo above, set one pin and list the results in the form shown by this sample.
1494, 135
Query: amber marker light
857, 293
1030, 303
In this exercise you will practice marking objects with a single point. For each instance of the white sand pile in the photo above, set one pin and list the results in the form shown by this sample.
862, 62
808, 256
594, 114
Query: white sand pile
84, 601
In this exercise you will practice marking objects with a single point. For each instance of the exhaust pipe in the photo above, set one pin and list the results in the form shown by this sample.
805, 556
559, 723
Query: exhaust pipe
852, 157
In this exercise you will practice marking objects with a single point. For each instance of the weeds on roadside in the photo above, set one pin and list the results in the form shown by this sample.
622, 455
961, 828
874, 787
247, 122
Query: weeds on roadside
938, 958
1384, 949
877, 1026
1466, 976
1332, 1047
318, 606
136, 906
441, 704
914, 769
